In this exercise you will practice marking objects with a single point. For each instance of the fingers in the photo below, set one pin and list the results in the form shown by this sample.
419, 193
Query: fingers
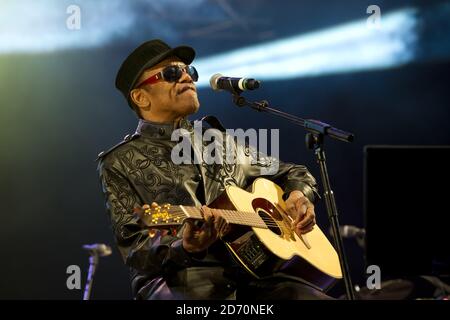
209, 225
302, 204
291, 205
308, 218
221, 225
208, 216
215, 221
303, 231
189, 226
305, 215
307, 224
302, 211
296, 204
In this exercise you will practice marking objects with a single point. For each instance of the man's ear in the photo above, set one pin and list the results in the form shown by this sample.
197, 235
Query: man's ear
140, 99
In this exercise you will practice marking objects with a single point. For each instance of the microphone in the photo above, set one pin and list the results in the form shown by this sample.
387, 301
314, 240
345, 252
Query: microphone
99, 249
233, 85
348, 231
96, 250
352, 232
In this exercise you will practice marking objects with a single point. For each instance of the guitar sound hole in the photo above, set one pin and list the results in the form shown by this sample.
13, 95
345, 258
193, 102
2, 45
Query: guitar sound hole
270, 222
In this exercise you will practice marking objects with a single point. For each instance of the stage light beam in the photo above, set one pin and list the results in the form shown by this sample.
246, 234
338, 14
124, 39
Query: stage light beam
345, 48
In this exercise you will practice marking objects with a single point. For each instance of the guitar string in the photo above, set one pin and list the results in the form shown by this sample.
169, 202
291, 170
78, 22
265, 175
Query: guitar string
181, 214
266, 224
268, 221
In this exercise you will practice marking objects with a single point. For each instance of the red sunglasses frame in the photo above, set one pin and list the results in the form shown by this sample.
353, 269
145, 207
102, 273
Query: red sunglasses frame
158, 77
152, 79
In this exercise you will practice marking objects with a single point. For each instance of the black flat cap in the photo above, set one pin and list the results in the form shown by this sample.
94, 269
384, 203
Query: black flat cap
146, 56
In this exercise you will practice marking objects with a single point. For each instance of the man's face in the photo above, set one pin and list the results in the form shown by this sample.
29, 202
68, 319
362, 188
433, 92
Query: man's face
170, 100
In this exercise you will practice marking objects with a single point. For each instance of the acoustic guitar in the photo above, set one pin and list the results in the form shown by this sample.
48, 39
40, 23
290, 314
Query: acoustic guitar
262, 240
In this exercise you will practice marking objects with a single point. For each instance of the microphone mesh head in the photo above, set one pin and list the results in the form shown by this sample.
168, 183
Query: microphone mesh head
98, 248
104, 250
213, 81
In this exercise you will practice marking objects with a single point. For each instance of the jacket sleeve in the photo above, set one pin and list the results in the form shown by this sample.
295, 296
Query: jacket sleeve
289, 176
139, 250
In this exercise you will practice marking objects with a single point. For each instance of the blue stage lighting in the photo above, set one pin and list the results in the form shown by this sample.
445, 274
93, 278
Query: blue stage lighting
345, 48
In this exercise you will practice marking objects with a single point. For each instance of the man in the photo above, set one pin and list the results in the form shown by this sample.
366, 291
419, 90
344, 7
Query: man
191, 262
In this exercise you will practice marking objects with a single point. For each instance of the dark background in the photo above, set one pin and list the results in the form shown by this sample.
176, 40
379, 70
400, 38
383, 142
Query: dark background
59, 109
418, 225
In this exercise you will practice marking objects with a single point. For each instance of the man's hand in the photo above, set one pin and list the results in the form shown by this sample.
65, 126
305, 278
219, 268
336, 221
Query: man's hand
302, 212
198, 238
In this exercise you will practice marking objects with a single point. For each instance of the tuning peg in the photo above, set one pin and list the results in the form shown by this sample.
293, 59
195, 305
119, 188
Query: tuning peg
152, 233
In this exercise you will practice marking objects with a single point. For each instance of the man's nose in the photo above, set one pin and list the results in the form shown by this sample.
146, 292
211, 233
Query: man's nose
185, 77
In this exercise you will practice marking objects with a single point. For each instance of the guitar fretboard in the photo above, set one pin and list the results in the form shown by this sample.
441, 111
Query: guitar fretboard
250, 219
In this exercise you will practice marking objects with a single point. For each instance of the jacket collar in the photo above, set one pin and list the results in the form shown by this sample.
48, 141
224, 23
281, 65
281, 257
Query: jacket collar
161, 130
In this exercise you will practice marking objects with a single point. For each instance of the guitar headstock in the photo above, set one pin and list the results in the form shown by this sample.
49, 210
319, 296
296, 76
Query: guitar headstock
160, 216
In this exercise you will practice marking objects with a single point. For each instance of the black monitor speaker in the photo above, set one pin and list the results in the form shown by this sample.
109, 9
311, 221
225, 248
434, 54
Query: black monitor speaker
407, 209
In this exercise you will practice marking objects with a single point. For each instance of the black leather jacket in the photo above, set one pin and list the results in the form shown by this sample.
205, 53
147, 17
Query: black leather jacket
139, 170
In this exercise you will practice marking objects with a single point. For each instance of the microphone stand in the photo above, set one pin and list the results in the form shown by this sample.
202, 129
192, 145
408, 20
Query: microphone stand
93, 263
317, 131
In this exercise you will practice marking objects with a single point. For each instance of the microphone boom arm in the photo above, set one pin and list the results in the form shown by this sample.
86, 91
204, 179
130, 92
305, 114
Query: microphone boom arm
313, 126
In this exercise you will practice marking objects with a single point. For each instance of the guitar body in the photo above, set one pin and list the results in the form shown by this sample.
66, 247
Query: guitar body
264, 252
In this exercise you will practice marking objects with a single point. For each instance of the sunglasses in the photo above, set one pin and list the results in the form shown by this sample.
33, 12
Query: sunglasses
171, 73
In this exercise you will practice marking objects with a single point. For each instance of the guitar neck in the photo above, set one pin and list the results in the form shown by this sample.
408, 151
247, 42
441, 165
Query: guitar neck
250, 219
